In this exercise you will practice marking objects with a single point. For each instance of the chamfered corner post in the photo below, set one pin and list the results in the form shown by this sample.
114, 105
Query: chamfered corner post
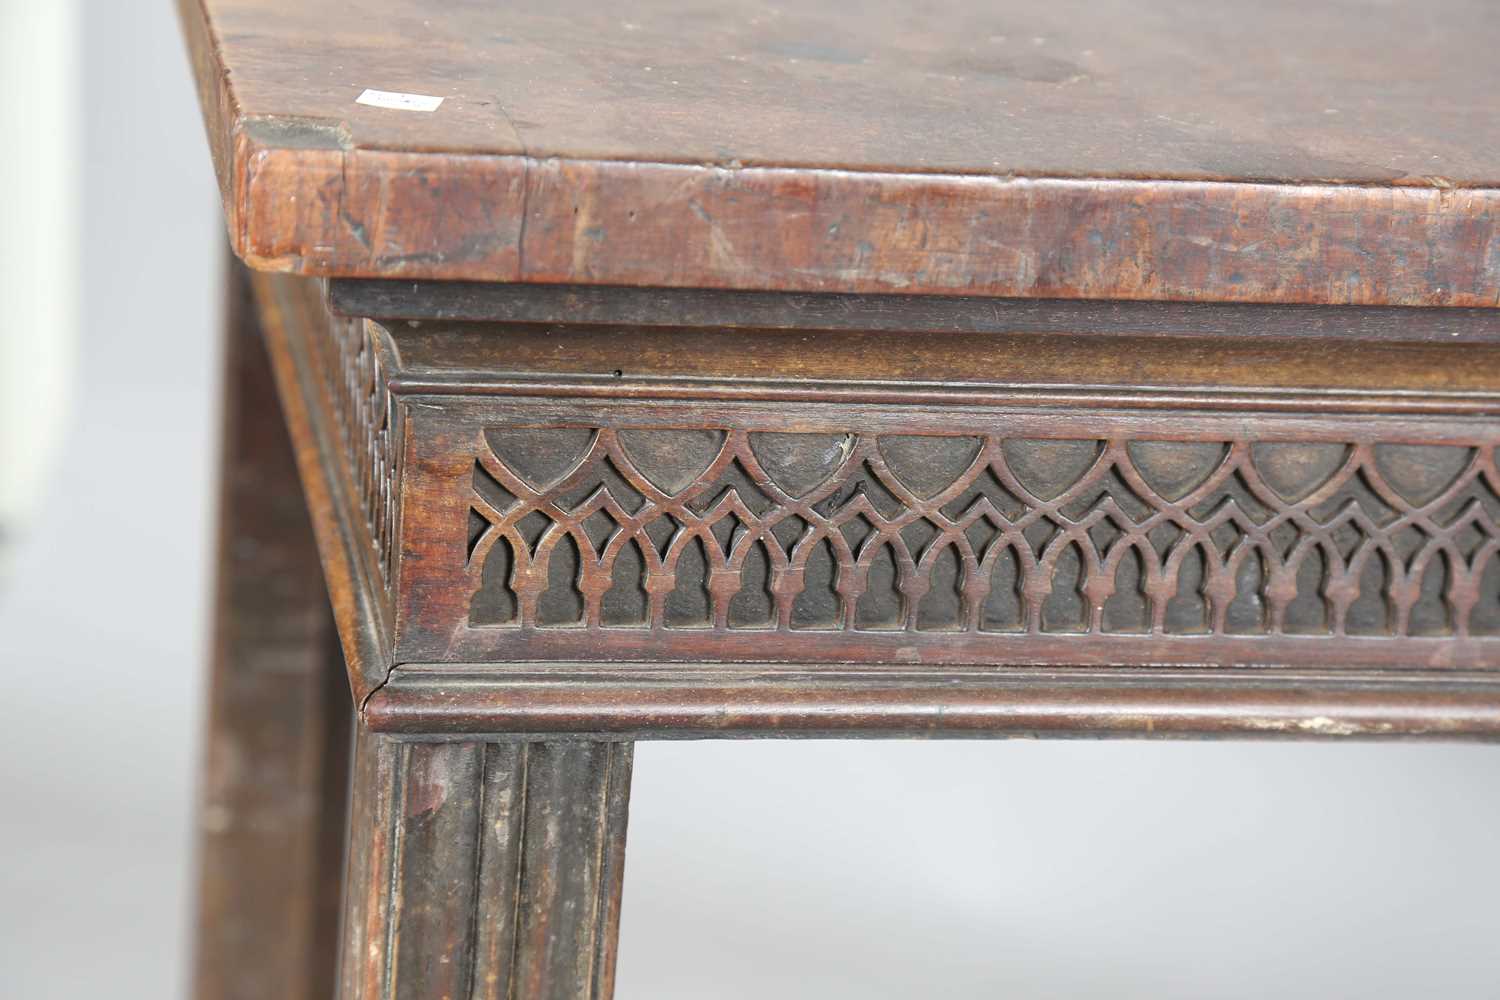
484, 870
274, 785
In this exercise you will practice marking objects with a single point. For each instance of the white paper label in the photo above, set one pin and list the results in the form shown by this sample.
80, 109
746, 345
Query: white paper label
398, 102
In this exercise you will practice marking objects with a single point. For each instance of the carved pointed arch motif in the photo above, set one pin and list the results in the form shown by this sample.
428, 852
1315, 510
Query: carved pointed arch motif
984, 533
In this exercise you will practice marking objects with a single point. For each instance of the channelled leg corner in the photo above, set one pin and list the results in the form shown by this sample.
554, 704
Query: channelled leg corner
484, 869
470, 869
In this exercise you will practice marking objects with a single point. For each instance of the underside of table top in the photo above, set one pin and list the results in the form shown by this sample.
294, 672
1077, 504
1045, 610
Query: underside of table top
1332, 153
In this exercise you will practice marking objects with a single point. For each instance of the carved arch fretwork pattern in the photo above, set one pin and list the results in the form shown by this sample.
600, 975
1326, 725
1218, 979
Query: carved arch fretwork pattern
734, 529
355, 380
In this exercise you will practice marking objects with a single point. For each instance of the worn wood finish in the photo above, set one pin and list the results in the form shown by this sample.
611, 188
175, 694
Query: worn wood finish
717, 701
477, 869
889, 536
1048, 151
1260, 507
708, 312
958, 87
484, 870
1041, 370
485, 865
1186, 371
274, 783
739, 532
343, 510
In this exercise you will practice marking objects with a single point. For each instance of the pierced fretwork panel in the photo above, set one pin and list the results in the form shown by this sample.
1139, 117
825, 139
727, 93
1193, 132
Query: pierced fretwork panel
665, 528
355, 380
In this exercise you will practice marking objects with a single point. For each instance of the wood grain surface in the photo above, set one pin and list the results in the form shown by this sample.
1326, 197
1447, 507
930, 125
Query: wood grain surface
1334, 153
290, 316
275, 769
491, 871
1378, 619
719, 701
626, 310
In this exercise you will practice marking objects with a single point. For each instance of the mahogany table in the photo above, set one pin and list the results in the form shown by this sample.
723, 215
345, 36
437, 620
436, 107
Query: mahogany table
674, 370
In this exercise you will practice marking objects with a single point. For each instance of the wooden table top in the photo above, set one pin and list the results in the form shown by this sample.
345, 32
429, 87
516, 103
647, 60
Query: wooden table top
1341, 152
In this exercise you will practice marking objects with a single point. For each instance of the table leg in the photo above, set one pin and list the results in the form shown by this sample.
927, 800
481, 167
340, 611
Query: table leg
275, 781
484, 869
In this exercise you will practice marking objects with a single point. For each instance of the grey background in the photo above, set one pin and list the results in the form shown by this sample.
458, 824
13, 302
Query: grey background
793, 870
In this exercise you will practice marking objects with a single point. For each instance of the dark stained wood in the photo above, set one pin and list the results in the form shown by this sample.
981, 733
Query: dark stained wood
737, 370
293, 320
626, 310
489, 871
275, 778
616, 362
1003, 535
1248, 504
1182, 150
1171, 88
719, 701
